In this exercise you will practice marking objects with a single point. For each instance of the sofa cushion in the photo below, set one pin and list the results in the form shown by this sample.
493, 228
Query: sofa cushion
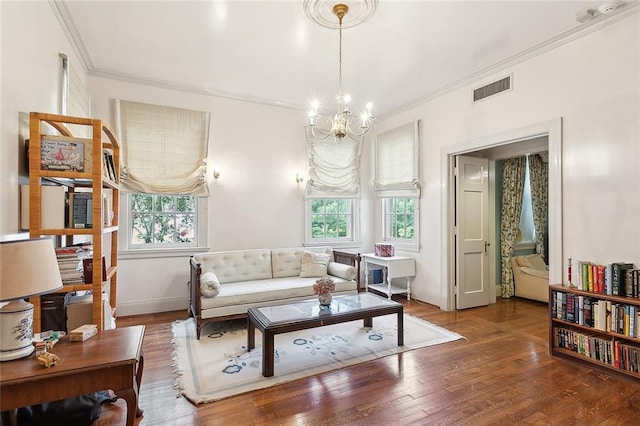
209, 284
286, 262
343, 271
314, 264
260, 291
240, 265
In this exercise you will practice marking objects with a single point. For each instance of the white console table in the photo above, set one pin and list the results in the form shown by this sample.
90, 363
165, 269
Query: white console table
393, 267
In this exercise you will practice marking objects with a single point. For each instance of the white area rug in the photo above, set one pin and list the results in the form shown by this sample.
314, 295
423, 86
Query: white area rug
218, 365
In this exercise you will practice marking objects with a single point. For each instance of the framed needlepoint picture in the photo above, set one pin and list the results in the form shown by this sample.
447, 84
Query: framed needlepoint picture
62, 154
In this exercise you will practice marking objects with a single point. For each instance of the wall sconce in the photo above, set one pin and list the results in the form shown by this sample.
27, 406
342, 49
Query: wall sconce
299, 178
216, 173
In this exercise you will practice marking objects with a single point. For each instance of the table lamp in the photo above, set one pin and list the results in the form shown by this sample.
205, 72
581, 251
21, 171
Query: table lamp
27, 268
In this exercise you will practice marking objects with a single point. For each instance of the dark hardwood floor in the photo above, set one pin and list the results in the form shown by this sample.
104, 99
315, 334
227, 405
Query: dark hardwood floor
501, 374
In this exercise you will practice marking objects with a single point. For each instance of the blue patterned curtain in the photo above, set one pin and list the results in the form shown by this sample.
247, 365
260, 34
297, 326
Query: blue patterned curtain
512, 188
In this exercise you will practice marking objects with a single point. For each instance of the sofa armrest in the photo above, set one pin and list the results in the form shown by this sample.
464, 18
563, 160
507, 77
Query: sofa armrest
351, 259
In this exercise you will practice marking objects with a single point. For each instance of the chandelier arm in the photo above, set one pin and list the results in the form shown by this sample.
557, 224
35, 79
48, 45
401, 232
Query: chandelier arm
316, 132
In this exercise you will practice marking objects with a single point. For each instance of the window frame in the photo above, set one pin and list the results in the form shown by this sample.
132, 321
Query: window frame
400, 243
155, 250
352, 240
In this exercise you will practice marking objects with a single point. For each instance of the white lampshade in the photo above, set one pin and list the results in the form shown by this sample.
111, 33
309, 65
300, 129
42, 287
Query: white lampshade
27, 268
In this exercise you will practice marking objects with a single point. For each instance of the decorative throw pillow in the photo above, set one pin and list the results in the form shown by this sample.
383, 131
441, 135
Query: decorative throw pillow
314, 264
209, 284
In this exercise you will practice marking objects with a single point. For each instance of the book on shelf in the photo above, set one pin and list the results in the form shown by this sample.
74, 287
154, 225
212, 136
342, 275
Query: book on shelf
107, 210
617, 277
109, 165
80, 210
87, 265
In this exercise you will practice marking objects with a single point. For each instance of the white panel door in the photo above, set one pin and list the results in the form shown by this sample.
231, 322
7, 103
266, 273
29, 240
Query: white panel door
472, 224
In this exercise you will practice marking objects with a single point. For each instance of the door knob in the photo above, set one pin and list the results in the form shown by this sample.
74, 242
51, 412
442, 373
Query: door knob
486, 244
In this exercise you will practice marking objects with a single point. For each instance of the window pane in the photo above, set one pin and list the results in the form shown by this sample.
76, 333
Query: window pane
400, 218
331, 218
163, 219
527, 228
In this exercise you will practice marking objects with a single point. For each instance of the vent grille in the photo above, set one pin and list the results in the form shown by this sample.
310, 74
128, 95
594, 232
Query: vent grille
492, 89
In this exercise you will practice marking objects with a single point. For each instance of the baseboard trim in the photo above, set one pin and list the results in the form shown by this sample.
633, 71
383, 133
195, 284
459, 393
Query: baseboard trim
152, 306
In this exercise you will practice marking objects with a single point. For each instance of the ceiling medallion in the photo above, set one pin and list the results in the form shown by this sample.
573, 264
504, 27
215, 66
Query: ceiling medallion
321, 12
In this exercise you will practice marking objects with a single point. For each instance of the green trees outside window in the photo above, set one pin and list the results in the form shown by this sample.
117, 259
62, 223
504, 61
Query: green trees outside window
163, 219
401, 218
331, 218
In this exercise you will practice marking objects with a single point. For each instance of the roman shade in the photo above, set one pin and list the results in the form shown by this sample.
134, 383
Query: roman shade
164, 149
334, 168
396, 162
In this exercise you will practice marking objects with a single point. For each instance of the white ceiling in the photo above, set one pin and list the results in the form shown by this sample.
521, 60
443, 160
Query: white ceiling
269, 51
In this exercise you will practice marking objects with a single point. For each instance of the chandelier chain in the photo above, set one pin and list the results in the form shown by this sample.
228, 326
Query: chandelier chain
340, 57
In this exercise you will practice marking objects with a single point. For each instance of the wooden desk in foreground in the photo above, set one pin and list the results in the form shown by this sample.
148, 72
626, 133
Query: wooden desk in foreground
110, 360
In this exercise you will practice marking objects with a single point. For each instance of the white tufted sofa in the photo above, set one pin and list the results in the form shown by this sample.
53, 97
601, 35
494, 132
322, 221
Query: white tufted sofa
261, 277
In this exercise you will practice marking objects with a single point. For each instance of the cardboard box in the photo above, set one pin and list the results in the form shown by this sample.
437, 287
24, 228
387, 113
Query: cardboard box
80, 310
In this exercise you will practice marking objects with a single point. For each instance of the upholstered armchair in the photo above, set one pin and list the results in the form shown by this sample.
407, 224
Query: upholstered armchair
531, 277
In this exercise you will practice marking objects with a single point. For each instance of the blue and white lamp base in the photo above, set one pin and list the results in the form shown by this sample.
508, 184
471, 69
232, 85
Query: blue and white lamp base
16, 330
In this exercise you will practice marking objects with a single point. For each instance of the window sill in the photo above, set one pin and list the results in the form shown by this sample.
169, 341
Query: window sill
525, 246
160, 253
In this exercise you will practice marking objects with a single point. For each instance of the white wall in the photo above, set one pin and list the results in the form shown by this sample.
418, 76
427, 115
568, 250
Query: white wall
31, 40
593, 83
255, 203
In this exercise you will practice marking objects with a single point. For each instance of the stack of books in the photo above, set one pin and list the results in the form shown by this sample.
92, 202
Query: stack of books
70, 263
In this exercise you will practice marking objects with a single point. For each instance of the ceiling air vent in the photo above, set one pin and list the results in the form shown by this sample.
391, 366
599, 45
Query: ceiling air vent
492, 89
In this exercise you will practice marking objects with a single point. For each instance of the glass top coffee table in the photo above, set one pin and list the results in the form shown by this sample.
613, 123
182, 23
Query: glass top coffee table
272, 320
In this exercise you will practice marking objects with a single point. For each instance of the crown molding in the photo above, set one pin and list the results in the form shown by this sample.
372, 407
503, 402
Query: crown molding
198, 90
61, 11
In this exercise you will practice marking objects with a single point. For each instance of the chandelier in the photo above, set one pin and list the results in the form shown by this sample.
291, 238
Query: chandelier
341, 121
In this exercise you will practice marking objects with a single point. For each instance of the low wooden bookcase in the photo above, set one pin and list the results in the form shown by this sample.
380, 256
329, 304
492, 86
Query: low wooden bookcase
596, 328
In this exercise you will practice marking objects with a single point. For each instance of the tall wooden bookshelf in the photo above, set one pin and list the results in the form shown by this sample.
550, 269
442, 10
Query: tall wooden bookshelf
90, 173
580, 336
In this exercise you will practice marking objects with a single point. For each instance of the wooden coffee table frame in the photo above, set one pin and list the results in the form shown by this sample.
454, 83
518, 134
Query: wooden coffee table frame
111, 360
256, 319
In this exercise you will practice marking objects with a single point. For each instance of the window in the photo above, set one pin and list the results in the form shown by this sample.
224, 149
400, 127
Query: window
164, 152
399, 214
332, 194
163, 220
527, 230
331, 220
397, 184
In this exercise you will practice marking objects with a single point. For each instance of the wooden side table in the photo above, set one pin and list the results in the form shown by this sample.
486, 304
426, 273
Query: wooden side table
110, 360
393, 267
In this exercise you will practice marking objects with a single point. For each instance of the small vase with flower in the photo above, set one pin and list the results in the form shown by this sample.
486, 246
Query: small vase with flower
324, 287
